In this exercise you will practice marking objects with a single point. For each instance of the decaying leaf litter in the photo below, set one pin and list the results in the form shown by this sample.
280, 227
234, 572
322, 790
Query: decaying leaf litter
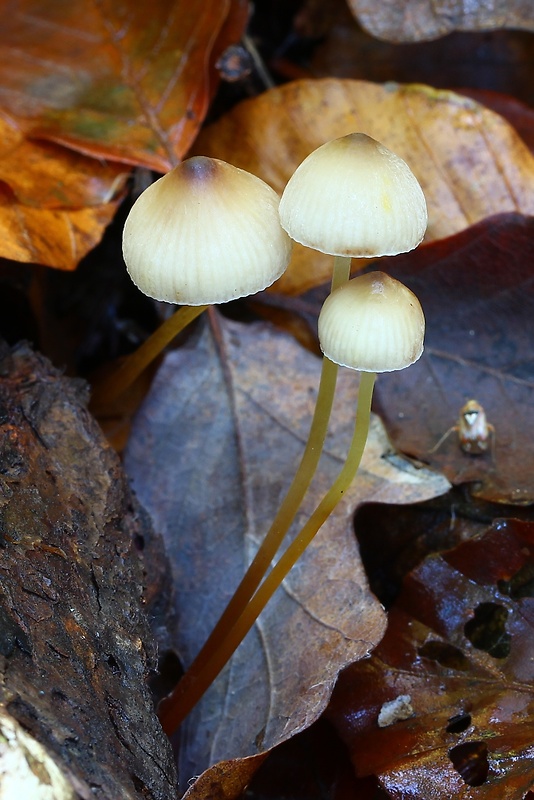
257, 397
39, 227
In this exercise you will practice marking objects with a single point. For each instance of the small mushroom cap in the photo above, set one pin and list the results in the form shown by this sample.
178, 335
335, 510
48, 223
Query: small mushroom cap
354, 197
373, 323
207, 232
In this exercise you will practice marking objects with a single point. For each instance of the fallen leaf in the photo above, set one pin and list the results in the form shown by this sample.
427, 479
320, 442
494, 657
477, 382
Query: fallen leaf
494, 67
211, 454
518, 114
126, 82
54, 237
500, 59
45, 175
54, 203
414, 20
476, 290
469, 161
456, 668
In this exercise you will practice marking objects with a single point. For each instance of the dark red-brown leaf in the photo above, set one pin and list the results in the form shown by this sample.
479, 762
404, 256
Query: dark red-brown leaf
456, 668
477, 291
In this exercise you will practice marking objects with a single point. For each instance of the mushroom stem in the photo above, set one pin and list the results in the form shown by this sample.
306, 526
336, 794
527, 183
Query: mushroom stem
117, 383
178, 704
281, 523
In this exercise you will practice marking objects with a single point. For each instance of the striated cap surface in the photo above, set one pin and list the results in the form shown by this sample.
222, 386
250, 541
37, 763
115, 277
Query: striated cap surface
207, 232
354, 197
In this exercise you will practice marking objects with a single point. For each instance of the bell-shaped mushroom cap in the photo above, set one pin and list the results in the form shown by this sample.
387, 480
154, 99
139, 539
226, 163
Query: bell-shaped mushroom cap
207, 232
373, 323
354, 197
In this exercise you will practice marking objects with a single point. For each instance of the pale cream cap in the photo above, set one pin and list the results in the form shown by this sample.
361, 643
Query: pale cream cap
354, 197
373, 323
207, 232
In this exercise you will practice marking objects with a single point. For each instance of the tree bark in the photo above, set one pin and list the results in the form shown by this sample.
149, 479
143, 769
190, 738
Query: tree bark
75, 641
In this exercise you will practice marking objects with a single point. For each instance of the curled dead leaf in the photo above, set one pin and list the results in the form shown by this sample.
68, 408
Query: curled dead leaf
416, 20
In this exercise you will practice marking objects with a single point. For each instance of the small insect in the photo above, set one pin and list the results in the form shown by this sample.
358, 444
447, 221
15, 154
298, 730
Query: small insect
474, 431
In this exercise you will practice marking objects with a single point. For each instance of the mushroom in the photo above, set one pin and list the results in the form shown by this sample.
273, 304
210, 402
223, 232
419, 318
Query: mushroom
351, 197
206, 232
371, 324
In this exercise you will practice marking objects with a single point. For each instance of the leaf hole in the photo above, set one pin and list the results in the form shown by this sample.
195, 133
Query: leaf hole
486, 630
112, 663
459, 723
169, 672
519, 585
470, 760
445, 654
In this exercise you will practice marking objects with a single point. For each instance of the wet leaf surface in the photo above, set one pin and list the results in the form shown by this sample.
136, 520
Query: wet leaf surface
119, 81
456, 669
414, 20
469, 161
211, 454
75, 643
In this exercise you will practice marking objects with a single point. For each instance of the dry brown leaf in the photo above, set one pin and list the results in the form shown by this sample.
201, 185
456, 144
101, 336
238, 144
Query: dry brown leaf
518, 114
211, 454
416, 20
469, 161
129, 82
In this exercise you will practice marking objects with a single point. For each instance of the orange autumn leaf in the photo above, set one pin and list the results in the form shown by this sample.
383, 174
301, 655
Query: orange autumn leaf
56, 237
54, 203
469, 161
45, 175
125, 81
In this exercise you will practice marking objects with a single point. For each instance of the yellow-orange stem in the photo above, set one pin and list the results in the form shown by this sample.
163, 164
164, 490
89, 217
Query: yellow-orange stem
134, 364
177, 705
282, 522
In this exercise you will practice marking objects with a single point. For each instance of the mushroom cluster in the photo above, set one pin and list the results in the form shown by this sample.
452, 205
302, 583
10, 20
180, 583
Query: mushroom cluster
351, 197
208, 232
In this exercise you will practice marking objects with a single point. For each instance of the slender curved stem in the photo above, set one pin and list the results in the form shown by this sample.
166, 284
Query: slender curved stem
281, 524
175, 708
117, 383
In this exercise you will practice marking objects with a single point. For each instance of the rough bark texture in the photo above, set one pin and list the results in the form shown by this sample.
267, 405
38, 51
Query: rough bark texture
75, 640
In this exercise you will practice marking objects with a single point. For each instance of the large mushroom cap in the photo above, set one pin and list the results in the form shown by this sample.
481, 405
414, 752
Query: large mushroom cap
373, 323
207, 232
354, 197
